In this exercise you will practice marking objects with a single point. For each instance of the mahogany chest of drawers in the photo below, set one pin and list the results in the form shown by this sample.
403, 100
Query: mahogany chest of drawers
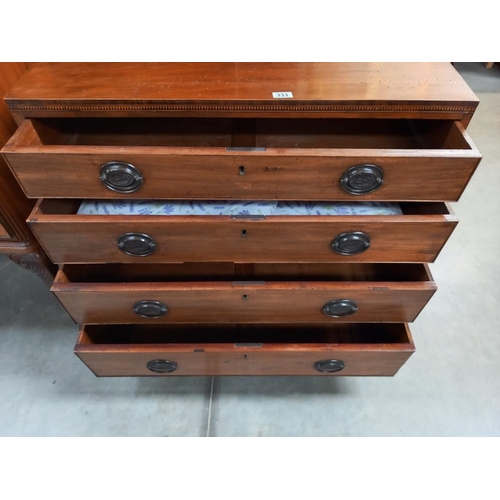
304, 292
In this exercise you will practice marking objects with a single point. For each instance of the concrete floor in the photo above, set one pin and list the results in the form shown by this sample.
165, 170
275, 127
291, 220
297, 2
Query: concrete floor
450, 387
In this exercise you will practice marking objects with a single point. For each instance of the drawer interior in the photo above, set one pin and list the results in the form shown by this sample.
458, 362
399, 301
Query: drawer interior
345, 333
215, 271
71, 207
236, 208
250, 132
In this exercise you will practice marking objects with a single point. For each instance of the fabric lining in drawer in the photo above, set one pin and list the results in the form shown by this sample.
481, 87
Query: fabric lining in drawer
215, 207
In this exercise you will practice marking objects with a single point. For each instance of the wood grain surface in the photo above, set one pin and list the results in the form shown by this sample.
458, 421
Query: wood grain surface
119, 89
244, 296
421, 161
14, 206
366, 349
416, 236
249, 301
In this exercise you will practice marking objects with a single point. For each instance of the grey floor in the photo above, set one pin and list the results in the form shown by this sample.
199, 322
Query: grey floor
450, 387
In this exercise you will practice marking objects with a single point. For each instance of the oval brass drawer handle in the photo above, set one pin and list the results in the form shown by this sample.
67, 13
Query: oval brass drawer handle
351, 243
136, 244
329, 365
161, 366
362, 179
340, 307
150, 308
121, 177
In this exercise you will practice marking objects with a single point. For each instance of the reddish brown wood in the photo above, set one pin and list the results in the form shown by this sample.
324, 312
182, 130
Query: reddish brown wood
16, 239
242, 89
248, 301
70, 238
370, 349
175, 121
14, 207
38, 263
429, 161
226, 271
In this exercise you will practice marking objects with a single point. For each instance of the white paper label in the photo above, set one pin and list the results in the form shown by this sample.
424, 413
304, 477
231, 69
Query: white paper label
282, 95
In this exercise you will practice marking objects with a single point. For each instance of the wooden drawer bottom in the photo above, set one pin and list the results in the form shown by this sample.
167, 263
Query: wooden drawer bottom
345, 349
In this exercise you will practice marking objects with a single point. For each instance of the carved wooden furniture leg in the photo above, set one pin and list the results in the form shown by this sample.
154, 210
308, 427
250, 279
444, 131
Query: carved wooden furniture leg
38, 263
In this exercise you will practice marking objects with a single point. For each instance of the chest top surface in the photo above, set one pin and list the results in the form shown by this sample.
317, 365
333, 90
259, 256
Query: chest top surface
53, 88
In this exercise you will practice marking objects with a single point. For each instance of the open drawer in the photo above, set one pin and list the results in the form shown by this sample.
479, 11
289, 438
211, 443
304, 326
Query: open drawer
68, 237
221, 158
344, 349
243, 293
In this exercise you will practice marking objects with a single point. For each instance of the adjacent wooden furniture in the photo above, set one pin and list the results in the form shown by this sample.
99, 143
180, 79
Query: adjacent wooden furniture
16, 239
162, 295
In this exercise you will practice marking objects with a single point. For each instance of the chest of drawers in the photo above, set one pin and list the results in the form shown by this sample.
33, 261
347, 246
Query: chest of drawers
302, 292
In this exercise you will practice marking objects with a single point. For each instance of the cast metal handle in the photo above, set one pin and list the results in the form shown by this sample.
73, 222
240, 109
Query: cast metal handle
161, 366
150, 308
121, 177
136, 244
351, 243
339, 308
329, 365
362, 179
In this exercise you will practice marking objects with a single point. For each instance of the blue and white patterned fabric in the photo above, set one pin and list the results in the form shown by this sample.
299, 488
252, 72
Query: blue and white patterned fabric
337, 208
204, 207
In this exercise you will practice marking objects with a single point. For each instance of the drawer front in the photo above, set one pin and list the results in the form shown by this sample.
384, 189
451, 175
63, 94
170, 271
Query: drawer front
332, 359
436, 164
253, 177
294, 302
148, 239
